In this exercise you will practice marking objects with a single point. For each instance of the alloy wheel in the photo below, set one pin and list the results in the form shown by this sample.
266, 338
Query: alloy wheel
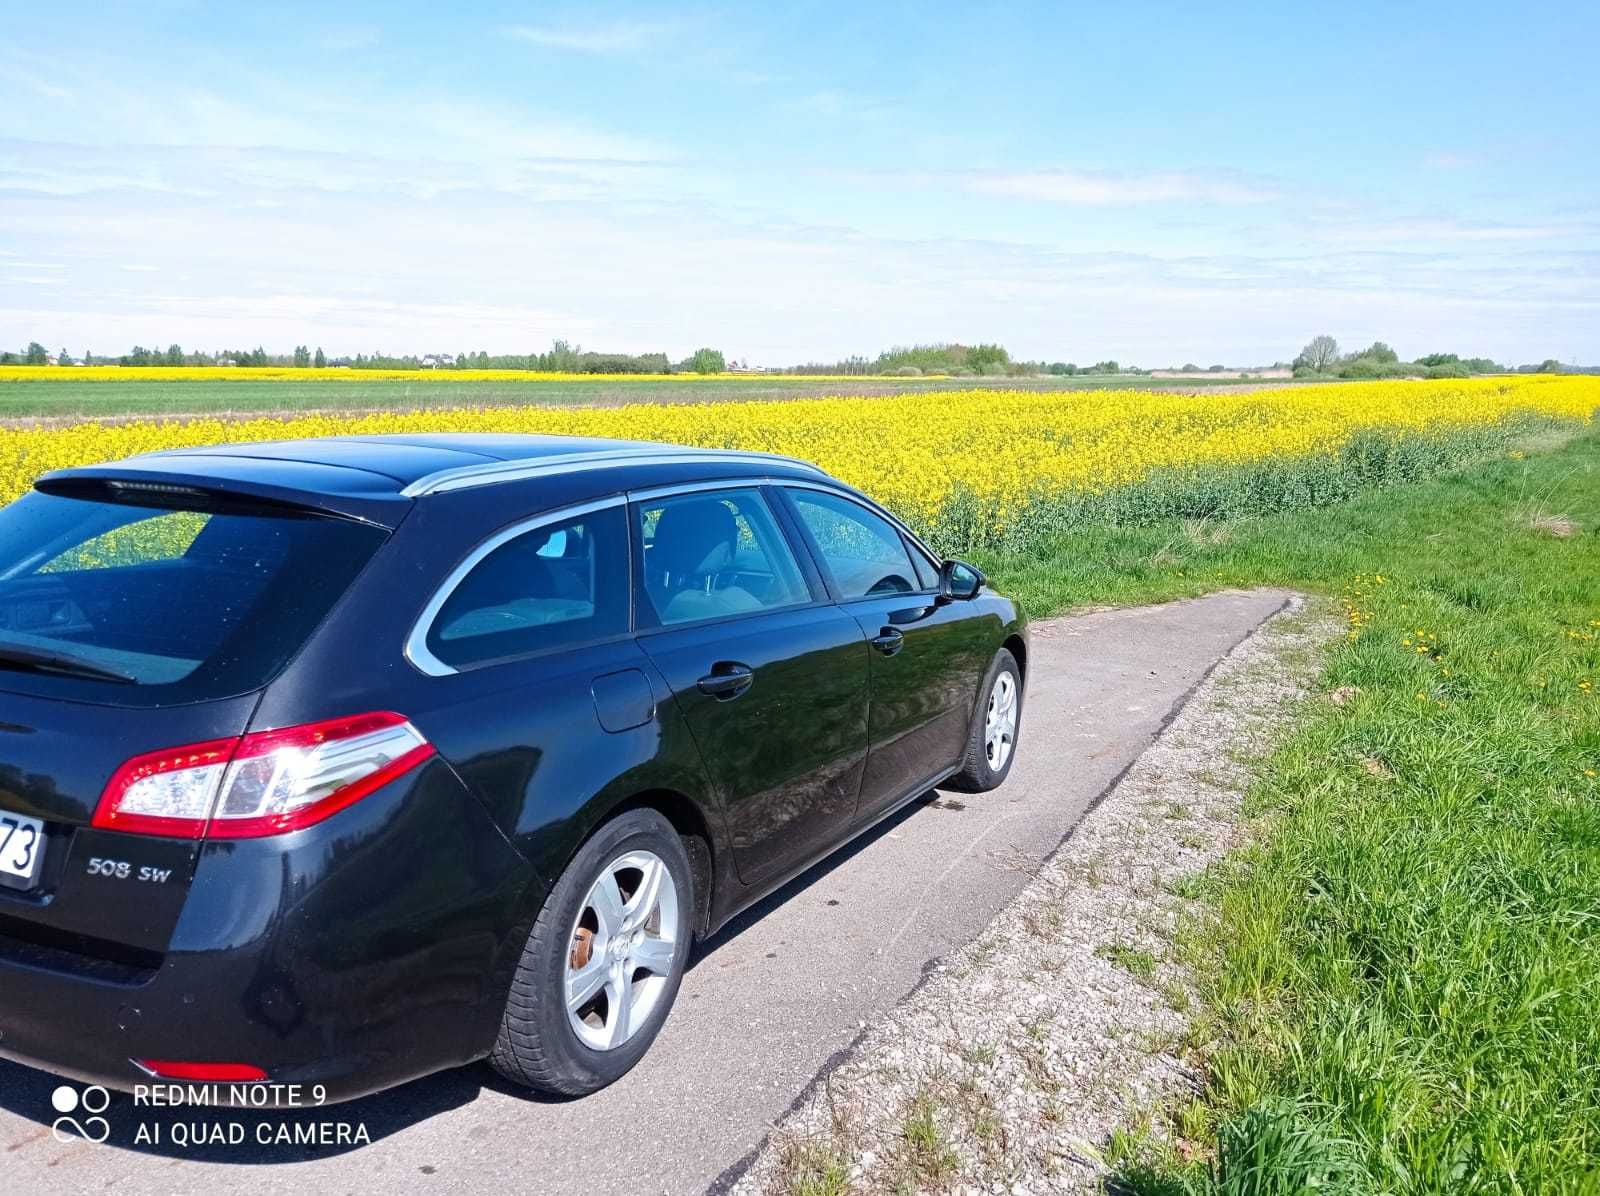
623, 947
1000, 721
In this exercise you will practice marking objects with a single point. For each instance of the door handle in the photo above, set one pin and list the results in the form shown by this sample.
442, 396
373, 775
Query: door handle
726, 680
889, 641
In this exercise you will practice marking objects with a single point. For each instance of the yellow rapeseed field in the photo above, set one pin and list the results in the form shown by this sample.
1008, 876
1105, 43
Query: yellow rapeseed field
1002, 452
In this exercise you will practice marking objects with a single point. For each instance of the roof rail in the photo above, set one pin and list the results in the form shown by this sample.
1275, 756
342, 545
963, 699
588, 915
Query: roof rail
491, 473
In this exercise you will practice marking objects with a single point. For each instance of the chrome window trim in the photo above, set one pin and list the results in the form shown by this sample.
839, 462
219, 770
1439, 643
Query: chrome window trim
416, 649
461, 477
676, 488
867, 504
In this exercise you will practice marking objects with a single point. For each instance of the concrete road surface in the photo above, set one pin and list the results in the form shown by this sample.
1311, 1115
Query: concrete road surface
763, 1009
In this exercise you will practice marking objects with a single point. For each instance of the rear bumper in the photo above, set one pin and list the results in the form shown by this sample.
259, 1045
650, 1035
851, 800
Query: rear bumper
366, 951
95, 1033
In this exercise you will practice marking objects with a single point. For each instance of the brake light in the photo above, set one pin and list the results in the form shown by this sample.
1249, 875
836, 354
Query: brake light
263, 783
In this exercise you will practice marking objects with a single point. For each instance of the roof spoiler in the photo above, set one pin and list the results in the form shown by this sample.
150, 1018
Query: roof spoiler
150, 488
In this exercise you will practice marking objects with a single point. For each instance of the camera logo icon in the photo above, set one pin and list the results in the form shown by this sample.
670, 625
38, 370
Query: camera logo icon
71, 1105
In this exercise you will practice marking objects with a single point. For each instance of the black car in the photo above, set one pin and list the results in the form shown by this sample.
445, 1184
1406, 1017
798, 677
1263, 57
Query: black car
337, 762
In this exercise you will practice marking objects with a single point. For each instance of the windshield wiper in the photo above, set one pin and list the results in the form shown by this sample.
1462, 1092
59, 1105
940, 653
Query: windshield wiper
44, 660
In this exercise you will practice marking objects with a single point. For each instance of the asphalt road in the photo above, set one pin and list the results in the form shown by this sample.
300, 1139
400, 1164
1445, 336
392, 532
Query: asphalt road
764, 1008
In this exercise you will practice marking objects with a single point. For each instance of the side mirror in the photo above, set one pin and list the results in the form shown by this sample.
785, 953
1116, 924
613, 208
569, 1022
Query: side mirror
959, 581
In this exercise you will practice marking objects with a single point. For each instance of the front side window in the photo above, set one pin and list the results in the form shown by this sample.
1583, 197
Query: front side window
863, 551
715, 554
558, 584
927, 573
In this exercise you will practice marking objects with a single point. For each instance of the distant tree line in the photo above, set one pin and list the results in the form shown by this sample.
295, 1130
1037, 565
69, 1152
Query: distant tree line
560, 358
36, 354
1321, 358
956, 360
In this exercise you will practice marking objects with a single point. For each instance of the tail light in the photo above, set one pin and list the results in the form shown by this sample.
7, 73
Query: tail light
263, 783
214, 1073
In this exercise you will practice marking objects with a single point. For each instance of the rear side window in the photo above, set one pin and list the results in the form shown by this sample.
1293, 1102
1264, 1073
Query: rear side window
138, 604
864, 552
554, 585
715, 554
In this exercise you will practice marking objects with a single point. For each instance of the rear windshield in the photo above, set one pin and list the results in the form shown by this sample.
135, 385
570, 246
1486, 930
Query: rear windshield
129, 602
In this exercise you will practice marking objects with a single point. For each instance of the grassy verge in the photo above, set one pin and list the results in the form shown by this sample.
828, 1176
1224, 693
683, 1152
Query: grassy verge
1402, 977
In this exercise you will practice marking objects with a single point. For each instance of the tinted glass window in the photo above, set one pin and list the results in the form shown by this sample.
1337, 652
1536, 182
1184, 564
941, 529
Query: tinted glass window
716, 554
563, 583
124, 602
927, 573
863, 551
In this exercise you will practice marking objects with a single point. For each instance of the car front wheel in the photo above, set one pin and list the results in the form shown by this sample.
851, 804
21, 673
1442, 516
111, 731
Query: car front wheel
603, 962
992, 740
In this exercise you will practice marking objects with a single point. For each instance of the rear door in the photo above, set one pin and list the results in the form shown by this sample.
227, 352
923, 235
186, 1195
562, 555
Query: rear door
771, 678
926, 656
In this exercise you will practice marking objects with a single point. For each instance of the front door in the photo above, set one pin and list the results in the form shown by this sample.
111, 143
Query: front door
771, 679
926, 656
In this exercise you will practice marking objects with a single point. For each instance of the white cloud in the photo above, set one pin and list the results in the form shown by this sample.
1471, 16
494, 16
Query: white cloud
1447, 160
543, 164
1102, 188
495, 133
621, 37
1433, 231
345, 38
124, 109
405, 272
33, 82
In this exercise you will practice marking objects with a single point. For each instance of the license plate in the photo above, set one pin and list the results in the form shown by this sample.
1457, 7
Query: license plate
21, 846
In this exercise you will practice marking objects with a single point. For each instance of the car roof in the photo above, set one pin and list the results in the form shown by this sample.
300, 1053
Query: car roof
377, 477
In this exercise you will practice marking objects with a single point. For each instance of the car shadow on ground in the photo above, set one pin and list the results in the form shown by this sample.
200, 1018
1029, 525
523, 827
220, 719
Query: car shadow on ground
799, 884
277, 1136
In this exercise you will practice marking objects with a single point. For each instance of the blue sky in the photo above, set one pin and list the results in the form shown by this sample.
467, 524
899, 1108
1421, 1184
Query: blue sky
1154, 183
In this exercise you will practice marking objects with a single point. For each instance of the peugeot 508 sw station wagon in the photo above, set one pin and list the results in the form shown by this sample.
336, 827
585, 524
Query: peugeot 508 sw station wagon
338, 762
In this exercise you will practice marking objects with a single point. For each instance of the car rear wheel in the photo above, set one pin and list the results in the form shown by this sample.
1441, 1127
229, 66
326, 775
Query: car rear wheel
603, 962
992, 742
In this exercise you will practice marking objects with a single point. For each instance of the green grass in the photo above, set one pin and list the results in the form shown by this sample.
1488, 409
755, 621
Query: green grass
1138, 963
811, 1169
1402, 976
45, 399
923, 1158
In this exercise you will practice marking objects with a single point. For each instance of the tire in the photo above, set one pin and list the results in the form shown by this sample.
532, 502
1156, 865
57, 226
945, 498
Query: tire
544, 1045
983, 768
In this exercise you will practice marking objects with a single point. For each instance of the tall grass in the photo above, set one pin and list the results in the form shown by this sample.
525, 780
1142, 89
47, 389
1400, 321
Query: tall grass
1402, 976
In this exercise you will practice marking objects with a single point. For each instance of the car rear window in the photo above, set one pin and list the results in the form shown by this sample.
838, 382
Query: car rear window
164, 598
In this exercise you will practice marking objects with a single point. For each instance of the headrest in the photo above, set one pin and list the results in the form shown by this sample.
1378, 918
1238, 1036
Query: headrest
694, 539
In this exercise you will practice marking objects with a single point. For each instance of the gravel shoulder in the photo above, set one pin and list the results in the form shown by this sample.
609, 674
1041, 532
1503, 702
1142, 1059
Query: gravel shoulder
1009, 1068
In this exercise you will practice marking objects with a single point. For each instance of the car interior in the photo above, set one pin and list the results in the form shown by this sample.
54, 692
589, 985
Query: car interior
712, 556
555, 585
